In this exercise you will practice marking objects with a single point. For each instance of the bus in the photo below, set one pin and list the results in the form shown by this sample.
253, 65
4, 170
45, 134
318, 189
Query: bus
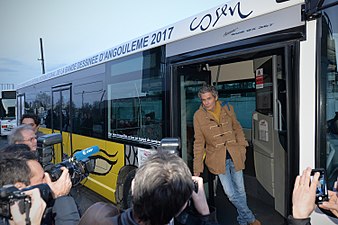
275, 62
7, 111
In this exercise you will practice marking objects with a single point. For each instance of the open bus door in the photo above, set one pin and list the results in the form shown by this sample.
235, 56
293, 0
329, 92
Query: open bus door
268, 129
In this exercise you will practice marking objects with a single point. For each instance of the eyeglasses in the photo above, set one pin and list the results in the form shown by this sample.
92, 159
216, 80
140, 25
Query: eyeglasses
30, 139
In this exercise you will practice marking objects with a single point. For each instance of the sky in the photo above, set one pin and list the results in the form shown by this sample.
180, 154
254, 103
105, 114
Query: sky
74, 29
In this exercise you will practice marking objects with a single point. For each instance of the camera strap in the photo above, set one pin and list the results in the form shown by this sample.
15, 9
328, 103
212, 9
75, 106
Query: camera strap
27, 210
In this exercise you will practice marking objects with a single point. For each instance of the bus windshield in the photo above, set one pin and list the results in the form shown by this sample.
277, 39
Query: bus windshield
7, 106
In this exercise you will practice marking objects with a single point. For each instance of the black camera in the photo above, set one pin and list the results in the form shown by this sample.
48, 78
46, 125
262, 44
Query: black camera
45, 148
10, 194
79, 166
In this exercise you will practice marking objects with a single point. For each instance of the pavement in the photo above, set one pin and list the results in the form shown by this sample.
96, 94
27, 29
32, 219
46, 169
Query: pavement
84, 197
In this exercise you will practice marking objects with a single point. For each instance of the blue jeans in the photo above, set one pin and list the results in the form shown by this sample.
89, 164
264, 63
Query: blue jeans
233, 186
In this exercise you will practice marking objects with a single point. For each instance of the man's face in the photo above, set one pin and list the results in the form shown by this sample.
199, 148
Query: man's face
30, 121
37, 173
29, 138
208, 101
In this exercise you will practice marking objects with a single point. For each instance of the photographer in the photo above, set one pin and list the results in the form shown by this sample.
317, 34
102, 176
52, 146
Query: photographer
161, 190
64, 210
23, 134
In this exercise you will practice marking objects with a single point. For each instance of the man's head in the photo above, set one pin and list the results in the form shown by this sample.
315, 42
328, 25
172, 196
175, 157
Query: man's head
23, 134
19, 166
32, 120
161, 188
208, 95
14, 171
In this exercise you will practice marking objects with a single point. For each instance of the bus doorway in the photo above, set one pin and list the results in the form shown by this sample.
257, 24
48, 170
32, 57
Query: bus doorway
255, 85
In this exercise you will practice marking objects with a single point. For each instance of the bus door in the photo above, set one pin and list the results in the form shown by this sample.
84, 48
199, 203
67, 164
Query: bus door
255, 85
61, 115
192, 78
268, 129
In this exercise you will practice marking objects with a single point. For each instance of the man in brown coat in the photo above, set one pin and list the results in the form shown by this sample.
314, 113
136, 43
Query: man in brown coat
220, 139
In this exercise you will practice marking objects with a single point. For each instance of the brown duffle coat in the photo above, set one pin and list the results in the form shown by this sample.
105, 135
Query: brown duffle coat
213, 139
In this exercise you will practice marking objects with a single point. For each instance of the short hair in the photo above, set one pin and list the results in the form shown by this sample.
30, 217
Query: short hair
162, 185
206, 89
16, 134
15, 148
14, 170
31, 116
13, 163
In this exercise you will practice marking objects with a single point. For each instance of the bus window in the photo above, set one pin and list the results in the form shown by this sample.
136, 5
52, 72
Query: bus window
327, 152
88, 117
240, 94
135, 97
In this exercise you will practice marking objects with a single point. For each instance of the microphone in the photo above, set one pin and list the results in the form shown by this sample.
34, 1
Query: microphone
81, 155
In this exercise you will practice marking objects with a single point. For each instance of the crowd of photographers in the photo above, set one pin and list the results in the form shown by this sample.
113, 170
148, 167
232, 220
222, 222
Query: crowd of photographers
161, 190
20, 168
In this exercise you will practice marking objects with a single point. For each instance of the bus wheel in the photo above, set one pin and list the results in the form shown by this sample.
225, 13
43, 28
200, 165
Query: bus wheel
127, 201
123, 185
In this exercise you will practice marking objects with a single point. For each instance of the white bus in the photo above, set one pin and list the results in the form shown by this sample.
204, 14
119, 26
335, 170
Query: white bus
275, 61
7, 111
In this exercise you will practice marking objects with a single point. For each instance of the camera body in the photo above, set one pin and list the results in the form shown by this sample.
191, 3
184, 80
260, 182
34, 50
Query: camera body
45, 148
10, 194
77, 169
321, 190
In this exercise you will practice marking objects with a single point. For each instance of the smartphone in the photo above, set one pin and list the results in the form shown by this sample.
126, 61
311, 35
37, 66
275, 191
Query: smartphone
321, 191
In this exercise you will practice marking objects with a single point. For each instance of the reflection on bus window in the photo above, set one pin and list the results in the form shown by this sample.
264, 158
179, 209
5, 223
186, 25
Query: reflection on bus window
329, 92
240, 94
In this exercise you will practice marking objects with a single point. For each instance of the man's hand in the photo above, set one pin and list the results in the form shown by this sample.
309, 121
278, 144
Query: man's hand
199, 199
304, 195
197, 174
62, 186
37, 208
332, 204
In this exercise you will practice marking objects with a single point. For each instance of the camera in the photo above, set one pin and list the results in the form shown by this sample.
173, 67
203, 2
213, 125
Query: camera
321, 190
79, 166
45, 148
9, 194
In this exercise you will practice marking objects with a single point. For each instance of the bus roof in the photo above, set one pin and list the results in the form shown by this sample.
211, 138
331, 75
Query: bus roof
231, 12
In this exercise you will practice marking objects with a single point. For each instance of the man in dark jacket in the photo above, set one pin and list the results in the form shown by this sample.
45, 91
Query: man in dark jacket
161, 190
64, 210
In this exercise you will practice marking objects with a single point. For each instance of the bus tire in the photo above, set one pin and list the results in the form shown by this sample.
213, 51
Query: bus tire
121, 185
127, 200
